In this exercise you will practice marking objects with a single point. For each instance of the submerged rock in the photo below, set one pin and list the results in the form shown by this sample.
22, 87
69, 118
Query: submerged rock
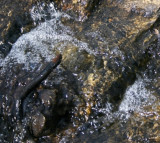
101, 58
15, 19
125, 44
140, 127
122, 39
80, 9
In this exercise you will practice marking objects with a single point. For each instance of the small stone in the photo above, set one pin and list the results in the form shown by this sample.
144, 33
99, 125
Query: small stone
38, 124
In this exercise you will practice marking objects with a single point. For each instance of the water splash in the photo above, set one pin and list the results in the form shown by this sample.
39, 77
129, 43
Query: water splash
42, 42
43, 11
136, 97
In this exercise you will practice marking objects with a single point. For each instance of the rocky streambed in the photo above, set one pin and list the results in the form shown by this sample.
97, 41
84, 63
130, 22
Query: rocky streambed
104, 89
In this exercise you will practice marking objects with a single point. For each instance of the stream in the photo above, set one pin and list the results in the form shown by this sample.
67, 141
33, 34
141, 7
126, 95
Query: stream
100, 92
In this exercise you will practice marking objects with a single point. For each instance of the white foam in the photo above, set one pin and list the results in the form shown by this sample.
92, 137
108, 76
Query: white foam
136, 97
43, 11
41, 42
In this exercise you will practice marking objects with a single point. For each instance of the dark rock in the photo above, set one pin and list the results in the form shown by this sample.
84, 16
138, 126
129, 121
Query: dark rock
48, 100
124, 43
79, 9
15, 16
38, 123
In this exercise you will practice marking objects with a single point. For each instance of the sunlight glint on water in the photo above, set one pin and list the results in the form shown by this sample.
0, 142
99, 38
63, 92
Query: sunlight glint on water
41, 42
136, 97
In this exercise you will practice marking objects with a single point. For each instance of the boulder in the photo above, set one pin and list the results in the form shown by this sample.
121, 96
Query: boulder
101, 58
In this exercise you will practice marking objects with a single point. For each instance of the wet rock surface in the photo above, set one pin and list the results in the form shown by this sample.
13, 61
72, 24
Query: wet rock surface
15, 19
127, 49
102, 57
80, 9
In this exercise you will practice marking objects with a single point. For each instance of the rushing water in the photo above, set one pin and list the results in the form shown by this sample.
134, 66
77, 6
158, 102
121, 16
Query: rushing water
51, 36
136, 97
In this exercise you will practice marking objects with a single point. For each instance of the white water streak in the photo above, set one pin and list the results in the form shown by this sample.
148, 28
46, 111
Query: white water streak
41, 43
136, 97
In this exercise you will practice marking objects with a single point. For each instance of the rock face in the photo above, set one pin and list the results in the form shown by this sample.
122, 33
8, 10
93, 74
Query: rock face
15, 20
113, 41
125, 45
80, 9
122, 43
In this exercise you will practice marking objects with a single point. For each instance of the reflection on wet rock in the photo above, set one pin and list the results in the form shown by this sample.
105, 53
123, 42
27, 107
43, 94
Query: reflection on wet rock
77, 61
80, 9
108, 75
15, 20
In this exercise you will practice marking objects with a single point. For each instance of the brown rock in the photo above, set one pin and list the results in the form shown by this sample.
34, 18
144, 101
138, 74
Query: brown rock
80, 8
38, 124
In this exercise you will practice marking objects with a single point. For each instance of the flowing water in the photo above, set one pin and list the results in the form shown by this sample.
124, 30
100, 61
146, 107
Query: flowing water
49, 37
41, 43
